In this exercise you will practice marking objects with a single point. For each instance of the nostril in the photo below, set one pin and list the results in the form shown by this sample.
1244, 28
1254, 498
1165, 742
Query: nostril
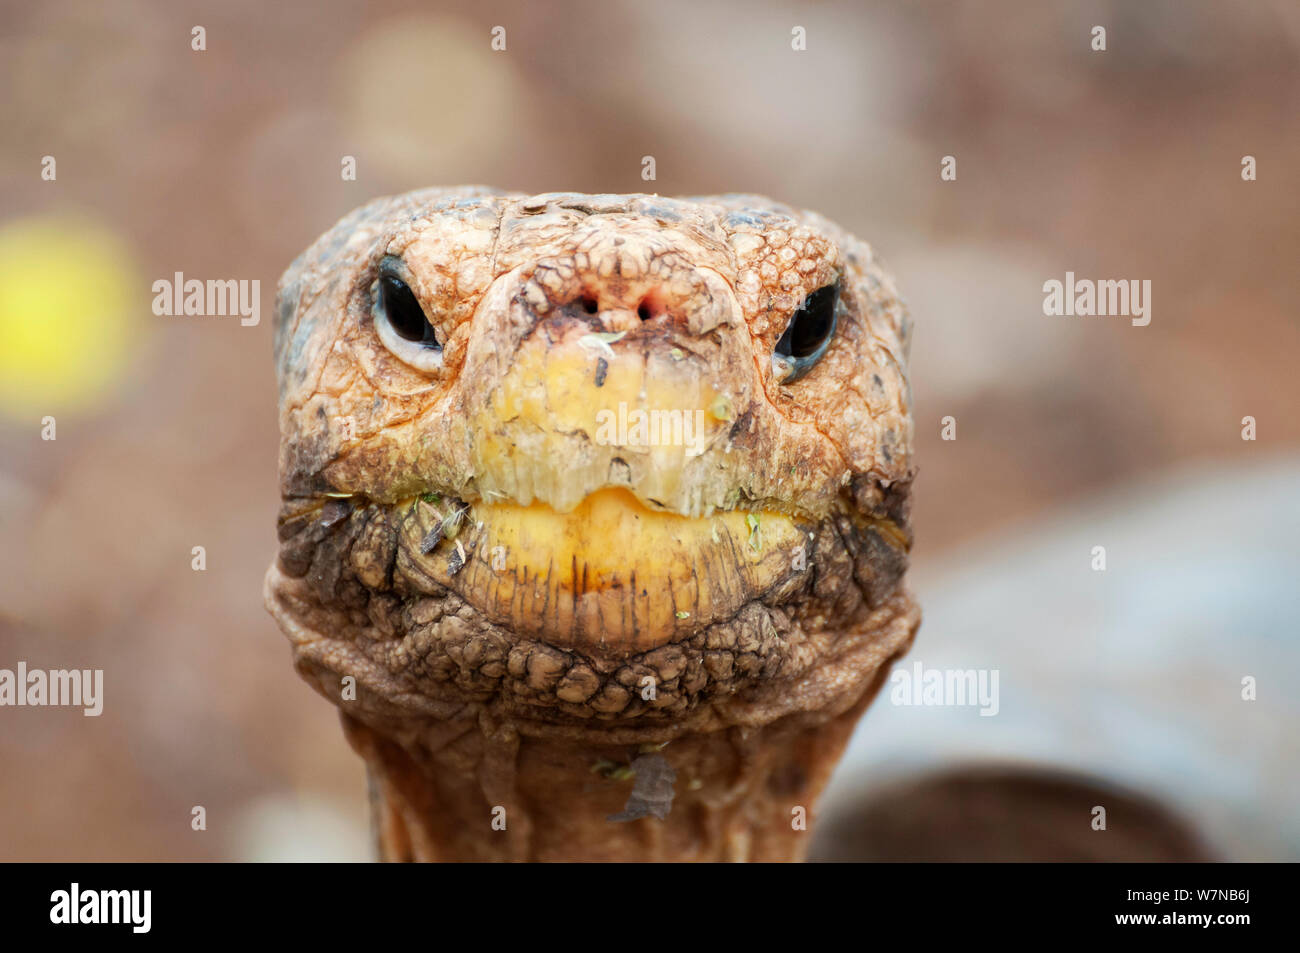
649, 308
589, 304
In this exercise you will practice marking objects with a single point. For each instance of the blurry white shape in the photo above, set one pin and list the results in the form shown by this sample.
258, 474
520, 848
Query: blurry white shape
979, 311
284, 829
1132, 674
736, 79
430, 101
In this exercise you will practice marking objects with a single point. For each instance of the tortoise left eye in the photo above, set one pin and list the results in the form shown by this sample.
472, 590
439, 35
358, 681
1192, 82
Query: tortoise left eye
809, 333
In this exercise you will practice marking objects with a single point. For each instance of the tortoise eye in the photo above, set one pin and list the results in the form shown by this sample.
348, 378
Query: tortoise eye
809, 333
403, 312
401, 323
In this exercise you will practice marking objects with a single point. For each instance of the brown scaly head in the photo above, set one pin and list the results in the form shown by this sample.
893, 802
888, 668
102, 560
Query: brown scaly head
595, 507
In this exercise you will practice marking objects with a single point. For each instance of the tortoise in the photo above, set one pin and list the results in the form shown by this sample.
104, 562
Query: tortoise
595, 515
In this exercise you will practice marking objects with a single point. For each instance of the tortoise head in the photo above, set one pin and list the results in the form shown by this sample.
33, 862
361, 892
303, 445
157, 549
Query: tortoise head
532, 442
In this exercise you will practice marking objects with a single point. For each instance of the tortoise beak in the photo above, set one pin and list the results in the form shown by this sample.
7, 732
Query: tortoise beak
594, 430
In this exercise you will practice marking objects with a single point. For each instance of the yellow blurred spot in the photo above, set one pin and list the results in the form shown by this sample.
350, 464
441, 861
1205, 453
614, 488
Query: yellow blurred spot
68, 327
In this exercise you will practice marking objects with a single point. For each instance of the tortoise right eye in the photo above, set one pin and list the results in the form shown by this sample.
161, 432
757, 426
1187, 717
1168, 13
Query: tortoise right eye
401, 322
402, 311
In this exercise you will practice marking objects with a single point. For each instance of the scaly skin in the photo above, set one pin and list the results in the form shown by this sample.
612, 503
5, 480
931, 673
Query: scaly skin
525, 603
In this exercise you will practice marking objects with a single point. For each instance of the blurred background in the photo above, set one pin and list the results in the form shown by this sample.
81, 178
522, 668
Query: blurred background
1120, 687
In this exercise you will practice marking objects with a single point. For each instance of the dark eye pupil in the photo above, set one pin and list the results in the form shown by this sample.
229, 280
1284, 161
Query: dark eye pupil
809, 330
404, 312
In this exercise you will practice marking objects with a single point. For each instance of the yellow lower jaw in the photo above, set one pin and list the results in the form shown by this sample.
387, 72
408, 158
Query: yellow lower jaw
613, 574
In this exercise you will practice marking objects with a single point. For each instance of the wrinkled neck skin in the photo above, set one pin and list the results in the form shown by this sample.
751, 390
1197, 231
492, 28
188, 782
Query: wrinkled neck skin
473, 756
551, 640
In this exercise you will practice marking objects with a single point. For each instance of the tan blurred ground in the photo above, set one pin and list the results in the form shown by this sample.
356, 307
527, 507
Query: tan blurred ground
225, 164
